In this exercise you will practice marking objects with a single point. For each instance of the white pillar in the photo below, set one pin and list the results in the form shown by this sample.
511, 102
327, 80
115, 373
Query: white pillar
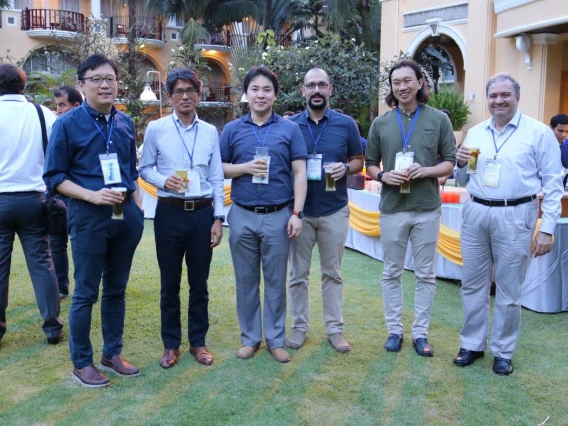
96, 9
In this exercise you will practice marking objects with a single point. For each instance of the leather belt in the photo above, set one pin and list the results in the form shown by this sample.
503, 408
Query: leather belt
187, 205
263, 209
503, 203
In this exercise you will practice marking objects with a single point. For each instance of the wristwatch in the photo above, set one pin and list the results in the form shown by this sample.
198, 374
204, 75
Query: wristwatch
299, 214
346, 168
380, 176
221, 218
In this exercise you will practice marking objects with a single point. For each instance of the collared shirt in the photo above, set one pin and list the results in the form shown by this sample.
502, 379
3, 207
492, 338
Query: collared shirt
432, 136
21, 144
531, 162
285, 144
339, 139
164, 150
76, 143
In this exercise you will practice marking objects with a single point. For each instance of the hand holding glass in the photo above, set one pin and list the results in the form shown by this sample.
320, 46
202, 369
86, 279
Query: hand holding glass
329, 180
118, 208
472, 162
404, 186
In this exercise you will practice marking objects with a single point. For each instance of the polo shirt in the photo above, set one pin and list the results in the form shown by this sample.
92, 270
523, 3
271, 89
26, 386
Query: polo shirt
285, 144
337, 139
76, 143
432, 136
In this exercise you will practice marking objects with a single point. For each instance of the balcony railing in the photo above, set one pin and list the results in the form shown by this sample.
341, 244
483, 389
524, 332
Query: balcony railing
145, 27
216, 92
49, 19
226, 38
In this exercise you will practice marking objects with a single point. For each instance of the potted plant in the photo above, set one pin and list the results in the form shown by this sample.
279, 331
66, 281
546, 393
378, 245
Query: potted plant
446, 98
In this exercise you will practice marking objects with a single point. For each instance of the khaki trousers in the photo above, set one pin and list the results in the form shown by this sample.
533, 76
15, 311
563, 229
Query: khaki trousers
497, 237
330, 233
422, 229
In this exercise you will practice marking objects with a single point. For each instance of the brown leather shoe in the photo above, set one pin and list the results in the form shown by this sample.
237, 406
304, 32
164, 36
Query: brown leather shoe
280, 354
247, 352
170, 358
339, 343
119, 366
201, 354
90, 377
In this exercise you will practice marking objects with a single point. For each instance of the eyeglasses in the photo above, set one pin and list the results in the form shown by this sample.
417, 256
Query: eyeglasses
181, 92
321, 85
99, 80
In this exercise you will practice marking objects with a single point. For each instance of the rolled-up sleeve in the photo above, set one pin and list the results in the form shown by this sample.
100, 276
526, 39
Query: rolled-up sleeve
57, 157
149, 160
550, 171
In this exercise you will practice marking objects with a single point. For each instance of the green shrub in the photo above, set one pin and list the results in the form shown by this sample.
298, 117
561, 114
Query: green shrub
446, 98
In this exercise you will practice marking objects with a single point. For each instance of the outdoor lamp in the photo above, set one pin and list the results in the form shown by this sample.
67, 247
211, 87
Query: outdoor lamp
148, 94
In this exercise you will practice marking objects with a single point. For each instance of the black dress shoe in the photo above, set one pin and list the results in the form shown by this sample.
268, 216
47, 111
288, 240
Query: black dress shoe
422, 347
502, 366
394, 343
466, 357
55, 340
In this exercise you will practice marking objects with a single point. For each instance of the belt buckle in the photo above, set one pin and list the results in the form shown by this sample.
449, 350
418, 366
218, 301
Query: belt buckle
186, 203
260, 210
505, 202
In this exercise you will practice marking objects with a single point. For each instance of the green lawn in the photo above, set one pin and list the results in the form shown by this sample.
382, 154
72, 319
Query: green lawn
367, 386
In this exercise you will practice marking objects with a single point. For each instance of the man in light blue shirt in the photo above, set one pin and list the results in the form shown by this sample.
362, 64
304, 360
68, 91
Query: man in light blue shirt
181, 158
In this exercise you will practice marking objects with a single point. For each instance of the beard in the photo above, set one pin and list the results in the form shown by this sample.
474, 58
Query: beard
318, 107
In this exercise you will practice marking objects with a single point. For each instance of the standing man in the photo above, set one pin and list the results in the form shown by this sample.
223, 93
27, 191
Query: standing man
186, 223
559, 126
66, 98
329, 137
265, 155
91, 151
22, 198
408, 140
518, 157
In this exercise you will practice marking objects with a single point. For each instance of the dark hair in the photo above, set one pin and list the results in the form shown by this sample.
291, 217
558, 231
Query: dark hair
447, 112
423, 94
288, 114
255, 72
73, 95
92, 63
558, 119
503, 76
184, 74
12, 80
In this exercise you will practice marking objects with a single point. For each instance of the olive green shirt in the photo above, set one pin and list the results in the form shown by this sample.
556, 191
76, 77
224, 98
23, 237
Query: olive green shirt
432, 137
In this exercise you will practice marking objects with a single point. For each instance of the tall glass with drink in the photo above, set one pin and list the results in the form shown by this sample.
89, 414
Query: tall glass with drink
329, 181
404, 186
472, 162
118, 208
262, 154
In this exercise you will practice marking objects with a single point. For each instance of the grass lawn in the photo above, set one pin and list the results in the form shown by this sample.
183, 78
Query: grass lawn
367, 386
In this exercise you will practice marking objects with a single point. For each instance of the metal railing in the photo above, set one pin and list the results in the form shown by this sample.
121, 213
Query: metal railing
50, 19
226, 38
216, 92
145, 27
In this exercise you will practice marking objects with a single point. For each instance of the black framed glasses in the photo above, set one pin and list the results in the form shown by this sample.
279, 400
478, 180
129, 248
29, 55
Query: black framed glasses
180, 92
99, 80
321, 85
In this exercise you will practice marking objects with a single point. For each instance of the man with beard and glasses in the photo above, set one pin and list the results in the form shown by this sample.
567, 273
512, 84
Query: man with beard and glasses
330, 137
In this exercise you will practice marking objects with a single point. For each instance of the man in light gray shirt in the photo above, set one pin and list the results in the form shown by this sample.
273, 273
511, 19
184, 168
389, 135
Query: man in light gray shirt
181, 158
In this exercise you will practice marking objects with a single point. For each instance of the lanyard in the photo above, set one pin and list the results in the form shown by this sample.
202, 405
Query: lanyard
406, 137
106, 139
183, 141
316, 141
256, 134
508, 137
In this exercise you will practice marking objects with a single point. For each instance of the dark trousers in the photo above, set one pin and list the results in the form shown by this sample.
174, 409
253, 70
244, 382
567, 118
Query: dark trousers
103, 247
23, 213
180, 233
58, 244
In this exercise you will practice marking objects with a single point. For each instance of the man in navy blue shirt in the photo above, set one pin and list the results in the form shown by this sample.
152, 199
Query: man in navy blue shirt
330, 137
92, 150
265, 156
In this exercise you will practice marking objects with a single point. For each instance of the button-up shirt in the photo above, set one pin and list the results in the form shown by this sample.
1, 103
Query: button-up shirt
21, 145
337, 139
285, 144
76, 143
166, 150
530, 162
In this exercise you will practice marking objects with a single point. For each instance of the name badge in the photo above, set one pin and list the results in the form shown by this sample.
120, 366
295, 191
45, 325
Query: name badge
193, 184
110, 167
314, 166
492, 172
263, 179
403, 160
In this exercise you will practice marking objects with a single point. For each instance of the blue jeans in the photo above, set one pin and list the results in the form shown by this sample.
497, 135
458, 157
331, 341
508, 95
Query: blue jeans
23, 213
58, 244
101, 247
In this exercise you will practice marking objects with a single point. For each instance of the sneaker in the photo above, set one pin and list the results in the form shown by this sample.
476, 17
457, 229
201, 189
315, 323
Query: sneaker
296, 340
339, 343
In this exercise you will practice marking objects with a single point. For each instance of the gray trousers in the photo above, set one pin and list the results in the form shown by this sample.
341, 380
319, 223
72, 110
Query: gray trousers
260, 240
329, 232
497, 237
422, 229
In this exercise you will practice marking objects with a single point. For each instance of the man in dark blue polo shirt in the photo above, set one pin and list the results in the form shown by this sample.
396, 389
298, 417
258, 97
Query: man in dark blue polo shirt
330, 137
265, 156
91, 151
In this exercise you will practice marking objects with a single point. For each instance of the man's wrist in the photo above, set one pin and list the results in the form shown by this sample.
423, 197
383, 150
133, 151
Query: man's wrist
346, 168
380, 176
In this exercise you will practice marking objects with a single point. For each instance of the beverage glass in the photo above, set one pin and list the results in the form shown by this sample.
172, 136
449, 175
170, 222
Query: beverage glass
404, 186
182, 173
472, 162
265, 159
329, 181
261, 151
118, 208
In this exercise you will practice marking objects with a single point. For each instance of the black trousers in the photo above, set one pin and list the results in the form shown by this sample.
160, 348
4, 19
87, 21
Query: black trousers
180, 233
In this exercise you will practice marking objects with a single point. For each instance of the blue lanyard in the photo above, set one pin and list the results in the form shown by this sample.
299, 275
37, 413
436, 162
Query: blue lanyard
406, 137
316, 141
265, 135
508, 137
106, 139
183, 141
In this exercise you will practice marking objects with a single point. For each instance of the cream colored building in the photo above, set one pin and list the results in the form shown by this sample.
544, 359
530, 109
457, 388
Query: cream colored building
526, 38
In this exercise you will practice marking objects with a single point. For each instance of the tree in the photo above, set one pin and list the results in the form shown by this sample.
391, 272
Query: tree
5, 4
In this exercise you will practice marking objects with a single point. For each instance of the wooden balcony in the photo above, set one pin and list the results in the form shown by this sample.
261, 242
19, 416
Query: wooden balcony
51, 23
146, 28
